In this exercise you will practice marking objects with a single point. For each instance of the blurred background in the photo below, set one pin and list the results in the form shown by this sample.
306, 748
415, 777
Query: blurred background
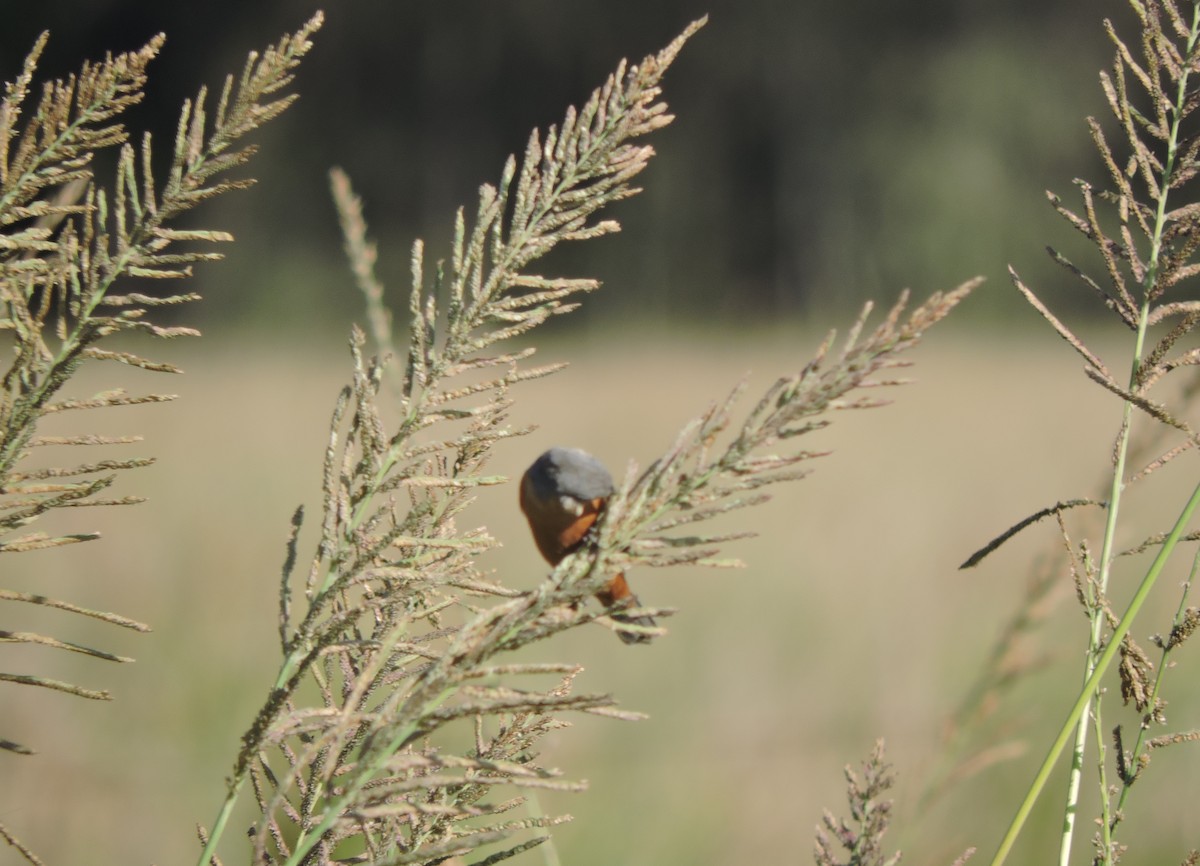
821, 157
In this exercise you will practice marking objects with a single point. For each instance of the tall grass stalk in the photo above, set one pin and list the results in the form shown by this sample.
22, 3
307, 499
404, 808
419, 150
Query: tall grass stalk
1149, 256
398, 715
68, 240
1075, 716
1149, 286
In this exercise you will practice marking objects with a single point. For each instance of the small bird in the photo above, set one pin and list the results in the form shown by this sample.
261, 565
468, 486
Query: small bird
562, 495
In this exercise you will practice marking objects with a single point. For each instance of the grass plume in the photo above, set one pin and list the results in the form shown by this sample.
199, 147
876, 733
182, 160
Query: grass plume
399, 729
77, 261
1145, 230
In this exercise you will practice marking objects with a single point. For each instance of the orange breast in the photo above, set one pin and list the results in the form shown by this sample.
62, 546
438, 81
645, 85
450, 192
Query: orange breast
556, 530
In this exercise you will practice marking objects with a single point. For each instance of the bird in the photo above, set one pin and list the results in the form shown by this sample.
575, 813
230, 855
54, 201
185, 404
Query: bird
563, 493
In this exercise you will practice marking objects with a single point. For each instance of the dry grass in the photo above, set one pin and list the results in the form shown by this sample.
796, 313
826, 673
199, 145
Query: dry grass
851, 621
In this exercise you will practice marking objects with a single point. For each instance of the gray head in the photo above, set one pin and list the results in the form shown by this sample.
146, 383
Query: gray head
569, 472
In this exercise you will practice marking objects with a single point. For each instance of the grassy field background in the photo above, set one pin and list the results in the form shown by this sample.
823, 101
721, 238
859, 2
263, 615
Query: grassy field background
851, 621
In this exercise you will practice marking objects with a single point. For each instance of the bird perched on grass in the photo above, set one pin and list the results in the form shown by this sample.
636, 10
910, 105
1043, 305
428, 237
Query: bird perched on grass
562, 495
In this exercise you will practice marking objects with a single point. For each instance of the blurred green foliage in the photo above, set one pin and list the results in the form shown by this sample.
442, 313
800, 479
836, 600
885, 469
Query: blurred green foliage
822, 155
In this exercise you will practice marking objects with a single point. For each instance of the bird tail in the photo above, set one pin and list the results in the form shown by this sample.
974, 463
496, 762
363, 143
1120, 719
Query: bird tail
617, 596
